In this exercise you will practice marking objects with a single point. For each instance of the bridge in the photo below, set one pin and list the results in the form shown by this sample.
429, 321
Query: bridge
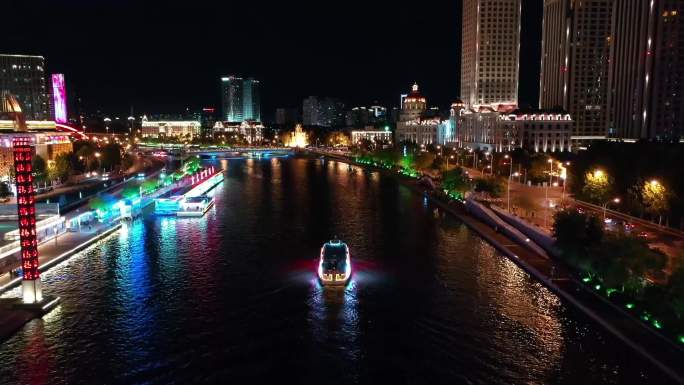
218, 151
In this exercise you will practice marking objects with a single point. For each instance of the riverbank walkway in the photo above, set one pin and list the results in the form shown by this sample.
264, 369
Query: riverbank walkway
658, 350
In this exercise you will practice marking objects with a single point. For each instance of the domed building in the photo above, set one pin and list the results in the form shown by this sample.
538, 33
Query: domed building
419, 125
413, 105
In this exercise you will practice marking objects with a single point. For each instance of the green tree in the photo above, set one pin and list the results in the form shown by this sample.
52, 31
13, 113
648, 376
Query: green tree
656, 198
40, 168
492, 185
675, 292
110, 156
575, 233
624, 262
597, 187
425, 160
455, 181
86, 154
539, 169
5, 190
62, 166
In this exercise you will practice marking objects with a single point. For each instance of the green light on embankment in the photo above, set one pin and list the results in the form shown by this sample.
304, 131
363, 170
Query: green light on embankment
597, 287
645, 316
681, 339
630, 306
586, 279
657, 324
610, 291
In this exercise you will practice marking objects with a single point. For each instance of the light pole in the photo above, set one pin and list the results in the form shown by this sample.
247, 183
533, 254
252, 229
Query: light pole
131, 120
447, 162
97, 155
605, 207
565, 180
107, 121
510, 175
546, 206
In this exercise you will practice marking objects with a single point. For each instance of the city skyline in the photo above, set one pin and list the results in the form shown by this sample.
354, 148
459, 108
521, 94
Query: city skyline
153, 71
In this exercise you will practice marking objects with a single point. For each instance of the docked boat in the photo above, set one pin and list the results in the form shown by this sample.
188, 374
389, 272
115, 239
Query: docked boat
334, 266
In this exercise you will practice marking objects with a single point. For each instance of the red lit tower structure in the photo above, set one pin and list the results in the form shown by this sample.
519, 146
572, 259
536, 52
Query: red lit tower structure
26, 207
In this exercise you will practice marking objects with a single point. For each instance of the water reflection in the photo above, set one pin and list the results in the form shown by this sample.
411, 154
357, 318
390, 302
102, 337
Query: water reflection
232, 296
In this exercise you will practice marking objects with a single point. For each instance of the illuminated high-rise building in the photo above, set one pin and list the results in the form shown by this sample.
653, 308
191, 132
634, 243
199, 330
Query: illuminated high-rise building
647, 69
251, 100
24, 77
490, 53
240, 99
576, 39
231, 98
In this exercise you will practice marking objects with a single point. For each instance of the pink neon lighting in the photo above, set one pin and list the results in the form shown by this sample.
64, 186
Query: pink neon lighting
59, 98
77, 132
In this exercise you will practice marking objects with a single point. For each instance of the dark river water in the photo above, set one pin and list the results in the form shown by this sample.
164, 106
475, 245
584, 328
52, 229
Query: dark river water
233, 298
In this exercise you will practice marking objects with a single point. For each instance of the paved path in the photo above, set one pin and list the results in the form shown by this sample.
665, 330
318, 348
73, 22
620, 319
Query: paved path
53, 251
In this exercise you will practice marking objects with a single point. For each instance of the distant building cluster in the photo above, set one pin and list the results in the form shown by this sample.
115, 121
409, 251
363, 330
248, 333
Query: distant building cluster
322, 111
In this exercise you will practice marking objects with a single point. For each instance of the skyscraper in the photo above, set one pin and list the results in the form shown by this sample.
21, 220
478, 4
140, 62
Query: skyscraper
240, 99
647, 71
251, 100
490, 52
24, 77
575, 62
231, 98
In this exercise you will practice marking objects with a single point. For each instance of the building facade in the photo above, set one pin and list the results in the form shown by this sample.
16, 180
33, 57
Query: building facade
323, 112
489, 77
48, 145
419, 125
188, 129
240, 99
231, 98
24, 77
251, 100
576, 41
647, 72
375, 136
536, 131
252, 131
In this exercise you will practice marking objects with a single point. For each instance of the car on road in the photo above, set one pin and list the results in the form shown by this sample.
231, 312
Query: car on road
645, 235
629, 226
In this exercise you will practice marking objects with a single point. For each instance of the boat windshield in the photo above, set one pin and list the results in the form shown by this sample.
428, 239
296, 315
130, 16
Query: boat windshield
334, 252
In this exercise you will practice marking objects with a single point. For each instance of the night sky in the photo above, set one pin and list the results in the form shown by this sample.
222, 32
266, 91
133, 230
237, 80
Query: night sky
164, 56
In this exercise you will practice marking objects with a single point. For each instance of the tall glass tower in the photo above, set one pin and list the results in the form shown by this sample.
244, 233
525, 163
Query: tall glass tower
240, 99
24, 77
251, 102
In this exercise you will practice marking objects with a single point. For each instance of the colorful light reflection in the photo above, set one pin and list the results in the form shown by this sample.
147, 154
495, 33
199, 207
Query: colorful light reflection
59, 98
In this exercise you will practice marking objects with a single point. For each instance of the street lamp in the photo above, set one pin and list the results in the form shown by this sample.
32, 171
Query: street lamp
131, 120
447, 162
605, 206
548, 203
509, 188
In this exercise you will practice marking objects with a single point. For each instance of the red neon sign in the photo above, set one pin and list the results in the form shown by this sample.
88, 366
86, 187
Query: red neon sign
26, 207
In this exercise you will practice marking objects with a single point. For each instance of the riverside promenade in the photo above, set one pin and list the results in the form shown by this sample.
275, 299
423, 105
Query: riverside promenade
659, 351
